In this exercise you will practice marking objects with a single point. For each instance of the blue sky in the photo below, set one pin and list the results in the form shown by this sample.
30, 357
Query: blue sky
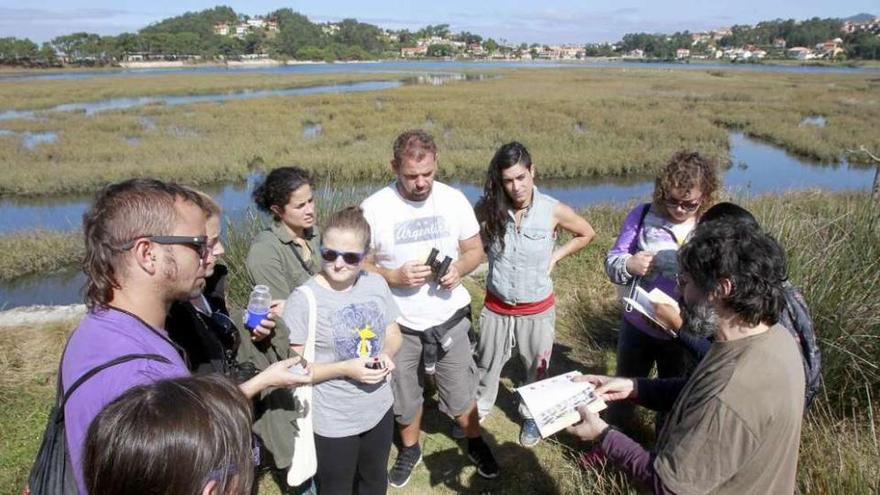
548, 21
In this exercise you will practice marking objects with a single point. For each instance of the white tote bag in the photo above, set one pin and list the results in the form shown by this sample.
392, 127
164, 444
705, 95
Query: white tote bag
305, 461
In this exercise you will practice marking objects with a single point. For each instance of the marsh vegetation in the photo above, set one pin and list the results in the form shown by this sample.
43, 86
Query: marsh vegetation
581, 122
833, 245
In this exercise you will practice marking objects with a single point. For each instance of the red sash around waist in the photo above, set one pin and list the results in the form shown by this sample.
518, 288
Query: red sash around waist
496, 305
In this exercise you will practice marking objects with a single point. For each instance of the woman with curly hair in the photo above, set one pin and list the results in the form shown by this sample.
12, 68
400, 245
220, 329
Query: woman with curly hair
646, 255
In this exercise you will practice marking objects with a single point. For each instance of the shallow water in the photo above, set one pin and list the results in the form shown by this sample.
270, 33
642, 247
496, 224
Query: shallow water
30, 140
756, 168
815, 121
93, 107
429, 65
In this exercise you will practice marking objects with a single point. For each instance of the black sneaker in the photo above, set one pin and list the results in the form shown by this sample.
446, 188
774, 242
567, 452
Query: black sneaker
481, 456
407, 459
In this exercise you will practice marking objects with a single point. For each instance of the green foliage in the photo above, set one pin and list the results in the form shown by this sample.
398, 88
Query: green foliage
200, 24
439, 50
863, 45
39, 251
14, 51
358, 34
656, 45
795, 33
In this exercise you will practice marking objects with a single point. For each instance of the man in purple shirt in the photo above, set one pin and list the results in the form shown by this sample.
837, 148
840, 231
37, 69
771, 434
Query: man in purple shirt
734, 425
145, 248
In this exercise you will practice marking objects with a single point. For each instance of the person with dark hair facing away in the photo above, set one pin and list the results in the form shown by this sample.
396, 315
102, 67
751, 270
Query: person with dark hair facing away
181, 436
795, 315
425, 239
734, 425
146, 247
356, 337
281, 257
645, 256
202, 326
519, 226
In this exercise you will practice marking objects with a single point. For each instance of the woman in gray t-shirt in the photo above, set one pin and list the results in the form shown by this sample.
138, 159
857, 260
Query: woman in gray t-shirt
356, 337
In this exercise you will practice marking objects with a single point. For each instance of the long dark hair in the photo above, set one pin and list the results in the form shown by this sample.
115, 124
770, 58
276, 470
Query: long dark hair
172, 437
492, 208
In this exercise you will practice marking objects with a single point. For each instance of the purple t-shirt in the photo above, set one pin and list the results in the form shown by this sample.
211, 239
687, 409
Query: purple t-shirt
105, 334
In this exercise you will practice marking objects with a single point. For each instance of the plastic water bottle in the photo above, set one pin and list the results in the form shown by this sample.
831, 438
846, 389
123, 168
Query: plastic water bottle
258, 307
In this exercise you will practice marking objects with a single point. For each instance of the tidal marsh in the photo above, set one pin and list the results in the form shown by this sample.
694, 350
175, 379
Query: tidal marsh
580, 122
832, 242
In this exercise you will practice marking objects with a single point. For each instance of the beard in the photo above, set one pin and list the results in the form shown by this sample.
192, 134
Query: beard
700, 318
178, 289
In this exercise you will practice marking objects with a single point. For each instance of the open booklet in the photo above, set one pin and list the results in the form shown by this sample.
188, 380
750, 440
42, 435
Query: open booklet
553, 402
642, 302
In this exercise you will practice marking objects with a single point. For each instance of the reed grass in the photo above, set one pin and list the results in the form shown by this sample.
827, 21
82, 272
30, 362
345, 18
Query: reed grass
38, 251
581, 122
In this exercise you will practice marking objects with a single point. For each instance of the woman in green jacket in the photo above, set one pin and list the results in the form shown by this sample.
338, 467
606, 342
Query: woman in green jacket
281, 257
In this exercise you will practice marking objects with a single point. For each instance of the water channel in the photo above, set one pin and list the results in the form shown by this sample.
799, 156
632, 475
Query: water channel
756, 168
425, 65
93, 107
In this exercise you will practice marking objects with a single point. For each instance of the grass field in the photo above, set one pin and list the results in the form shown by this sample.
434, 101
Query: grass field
577, 122
833, 244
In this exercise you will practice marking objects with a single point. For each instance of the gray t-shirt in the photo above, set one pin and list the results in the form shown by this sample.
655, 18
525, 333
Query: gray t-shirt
350, 324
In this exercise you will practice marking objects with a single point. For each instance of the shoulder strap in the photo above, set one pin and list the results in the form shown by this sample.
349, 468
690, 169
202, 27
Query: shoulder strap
309, 351
644, 214
635, 240
299, 257
97, 369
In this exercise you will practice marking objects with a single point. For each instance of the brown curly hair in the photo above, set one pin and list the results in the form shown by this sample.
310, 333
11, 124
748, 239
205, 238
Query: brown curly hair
686, 170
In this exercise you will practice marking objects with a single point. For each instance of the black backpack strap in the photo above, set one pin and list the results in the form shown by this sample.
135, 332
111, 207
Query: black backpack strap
97, 369
645, 208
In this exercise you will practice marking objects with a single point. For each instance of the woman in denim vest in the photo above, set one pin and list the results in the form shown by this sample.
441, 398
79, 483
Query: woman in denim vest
518, 225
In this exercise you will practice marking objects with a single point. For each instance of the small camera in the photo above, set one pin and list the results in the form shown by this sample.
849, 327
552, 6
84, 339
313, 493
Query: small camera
438, 268
375, 364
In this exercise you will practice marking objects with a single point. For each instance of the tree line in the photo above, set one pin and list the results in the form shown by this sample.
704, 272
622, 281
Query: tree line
808, 33
192, 35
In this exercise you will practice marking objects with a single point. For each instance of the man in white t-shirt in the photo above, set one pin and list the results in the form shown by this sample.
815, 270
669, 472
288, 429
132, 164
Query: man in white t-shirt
409, 218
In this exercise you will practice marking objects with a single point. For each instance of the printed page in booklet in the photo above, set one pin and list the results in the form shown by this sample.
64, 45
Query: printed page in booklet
642, 302
553, 402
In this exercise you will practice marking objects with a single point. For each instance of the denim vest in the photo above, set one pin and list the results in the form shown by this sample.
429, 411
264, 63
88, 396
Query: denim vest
518, 274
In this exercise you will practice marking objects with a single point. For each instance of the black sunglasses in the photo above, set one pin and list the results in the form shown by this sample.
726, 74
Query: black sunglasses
687, 206
330, 255
199, 243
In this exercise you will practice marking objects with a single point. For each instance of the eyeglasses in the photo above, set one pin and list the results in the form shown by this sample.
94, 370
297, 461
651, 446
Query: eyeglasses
199, 243
688, 206
330, 255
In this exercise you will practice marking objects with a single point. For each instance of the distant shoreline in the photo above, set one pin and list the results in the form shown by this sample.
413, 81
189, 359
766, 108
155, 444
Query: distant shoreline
181, 64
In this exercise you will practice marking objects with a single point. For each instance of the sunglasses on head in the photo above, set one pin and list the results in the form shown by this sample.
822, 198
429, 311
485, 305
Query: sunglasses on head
330, 255
198, 243
691, 205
